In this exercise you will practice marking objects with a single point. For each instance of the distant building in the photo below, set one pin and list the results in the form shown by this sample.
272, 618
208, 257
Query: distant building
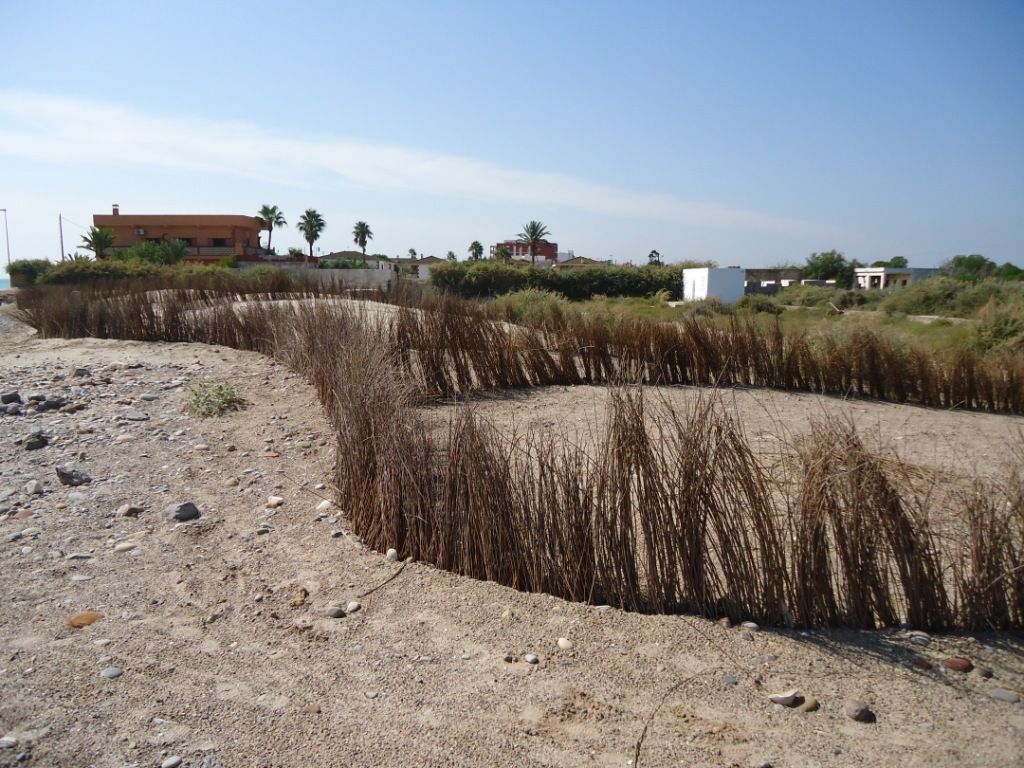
418, 268
880, 278
769, 281
723, 283
546, 252
206, 237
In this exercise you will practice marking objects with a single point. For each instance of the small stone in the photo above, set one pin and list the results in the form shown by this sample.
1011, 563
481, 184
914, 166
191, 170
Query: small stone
565, 643
181, 512
324, 506
750, 625
920, 638
319, 487
10, 397
371, 694
729, 680
747, 634
35, 441
112, 673
231, 482
922, 664
83, 619
509, 658
726, 622
392, 555
859, 711
81, 373
171, 762
125, 546
129, 510
335, 612
311, 709
72, 477
531, 658
34, 488
263, 530
8, 742
1002, 694
337, 534
958, 664
809, 704
273, 502
786, 698
352, 606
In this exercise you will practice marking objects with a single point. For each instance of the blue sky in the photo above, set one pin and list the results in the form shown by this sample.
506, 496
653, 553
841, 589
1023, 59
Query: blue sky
750, 133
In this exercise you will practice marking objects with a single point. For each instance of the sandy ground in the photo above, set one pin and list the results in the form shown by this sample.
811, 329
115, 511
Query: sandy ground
229, 660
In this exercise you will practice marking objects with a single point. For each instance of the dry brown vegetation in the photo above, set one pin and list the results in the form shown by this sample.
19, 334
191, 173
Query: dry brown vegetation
671, 511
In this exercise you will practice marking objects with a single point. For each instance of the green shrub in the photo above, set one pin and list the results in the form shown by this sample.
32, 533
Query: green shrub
166, 253
71, 272
941, 295
206, 400
25, 272
490, 278
755, 302
1000, 326
822, 296
532, 306
709, 307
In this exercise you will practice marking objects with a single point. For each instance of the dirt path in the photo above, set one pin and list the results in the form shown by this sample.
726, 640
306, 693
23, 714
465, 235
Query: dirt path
228, 658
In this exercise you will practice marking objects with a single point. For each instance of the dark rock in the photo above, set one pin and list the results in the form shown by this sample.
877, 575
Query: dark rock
181, 512
82, 373
72, 477
10, 397
36, 441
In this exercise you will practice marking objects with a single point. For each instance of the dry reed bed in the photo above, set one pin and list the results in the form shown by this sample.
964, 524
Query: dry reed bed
678, 516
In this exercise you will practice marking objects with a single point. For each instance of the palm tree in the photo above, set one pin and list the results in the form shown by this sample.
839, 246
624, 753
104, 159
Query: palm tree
533, 234
361, 232
98, 241
270, 216
654, 258
311, 224
475, 250
412, 253
503, 253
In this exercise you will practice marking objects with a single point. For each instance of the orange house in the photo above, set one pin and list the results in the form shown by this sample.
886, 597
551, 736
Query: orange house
207, 238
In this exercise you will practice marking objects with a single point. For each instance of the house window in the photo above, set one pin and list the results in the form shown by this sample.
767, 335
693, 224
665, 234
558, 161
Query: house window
218, 242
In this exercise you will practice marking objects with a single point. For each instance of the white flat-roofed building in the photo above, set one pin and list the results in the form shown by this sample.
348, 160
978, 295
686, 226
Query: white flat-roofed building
723, 283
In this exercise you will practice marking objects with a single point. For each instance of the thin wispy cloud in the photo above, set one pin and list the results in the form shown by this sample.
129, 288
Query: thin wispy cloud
72, 131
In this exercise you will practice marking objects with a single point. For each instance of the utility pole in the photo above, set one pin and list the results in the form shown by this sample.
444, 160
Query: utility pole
7, 237
60, 224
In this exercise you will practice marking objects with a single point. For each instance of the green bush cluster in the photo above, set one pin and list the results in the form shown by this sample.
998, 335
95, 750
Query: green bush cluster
84, 271
941, 295
822, 296
166, 253
489, 278
25, 272
533, 306
343, 264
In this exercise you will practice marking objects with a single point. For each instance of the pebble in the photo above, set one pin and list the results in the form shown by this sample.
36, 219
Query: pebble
34, 488
729, 680
337, 534
129, 510
392, 555
565, 643
371, 694
35, 442
8, 742
319, 487
750, 625
181, 512
531, 658
324, 506
786, 698
747, 634
353, 606
509, 658
1001, 694
171, 762
231, 482
809, 704
112, 673
335, 612
958, 664
920, 638
83, 619
859, 711
125, 546
273, 502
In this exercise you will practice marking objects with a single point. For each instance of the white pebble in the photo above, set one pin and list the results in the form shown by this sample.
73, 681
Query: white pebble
392, 555
565, 643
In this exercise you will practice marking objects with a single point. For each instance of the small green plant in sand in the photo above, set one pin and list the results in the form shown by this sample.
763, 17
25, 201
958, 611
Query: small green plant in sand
212, 400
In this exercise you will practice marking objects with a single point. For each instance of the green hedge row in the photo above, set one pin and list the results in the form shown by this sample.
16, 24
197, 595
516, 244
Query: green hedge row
489, 278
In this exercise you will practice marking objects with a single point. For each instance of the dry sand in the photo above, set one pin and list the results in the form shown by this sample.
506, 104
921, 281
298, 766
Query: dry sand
418, 676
